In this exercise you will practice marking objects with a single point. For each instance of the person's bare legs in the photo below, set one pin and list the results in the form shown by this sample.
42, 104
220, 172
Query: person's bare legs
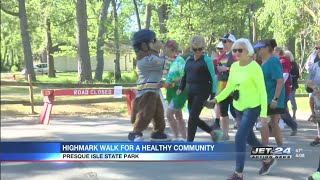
276, 129
217, 111
225, 126
181, 124
264, 133
172, 122
311, 104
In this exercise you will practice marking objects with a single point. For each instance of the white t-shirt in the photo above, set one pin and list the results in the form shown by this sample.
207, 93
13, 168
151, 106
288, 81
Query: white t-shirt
314, 74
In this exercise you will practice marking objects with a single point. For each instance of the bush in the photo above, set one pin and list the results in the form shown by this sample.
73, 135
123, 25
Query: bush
14, 68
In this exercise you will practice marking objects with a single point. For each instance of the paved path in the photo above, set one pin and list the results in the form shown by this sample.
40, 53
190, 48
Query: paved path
100, 129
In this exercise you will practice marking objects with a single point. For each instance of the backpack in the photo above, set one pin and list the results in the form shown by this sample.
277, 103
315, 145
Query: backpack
294, 75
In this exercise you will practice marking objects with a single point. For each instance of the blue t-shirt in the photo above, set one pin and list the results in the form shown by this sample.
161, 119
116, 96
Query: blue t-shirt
272, 70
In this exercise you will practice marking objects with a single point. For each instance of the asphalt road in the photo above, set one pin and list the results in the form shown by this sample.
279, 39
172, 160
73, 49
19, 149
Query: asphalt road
113, 129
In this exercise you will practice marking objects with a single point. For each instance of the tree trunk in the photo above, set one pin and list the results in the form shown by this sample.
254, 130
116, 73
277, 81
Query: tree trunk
12, 57
148, 16
4, 62
84, 65
50, 60
291, 45
43, 56
100, 42
162, 15
117, 73
249, 25
27, 52
137, 13
254, 29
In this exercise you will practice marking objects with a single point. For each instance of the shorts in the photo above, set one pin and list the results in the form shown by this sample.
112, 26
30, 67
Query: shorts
171, 106
224, 106
274, 111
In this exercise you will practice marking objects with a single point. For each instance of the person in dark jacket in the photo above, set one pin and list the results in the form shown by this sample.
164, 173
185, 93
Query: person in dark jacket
200, 82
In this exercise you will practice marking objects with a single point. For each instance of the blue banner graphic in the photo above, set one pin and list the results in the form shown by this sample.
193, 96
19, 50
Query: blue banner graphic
115, 151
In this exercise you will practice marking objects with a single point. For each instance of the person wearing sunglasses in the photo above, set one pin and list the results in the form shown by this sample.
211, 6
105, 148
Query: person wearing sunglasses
200, 82
220, 48
313, 58
175, 103
222, 65
273, 78
147, 105
214, 57
313, 84
246, 83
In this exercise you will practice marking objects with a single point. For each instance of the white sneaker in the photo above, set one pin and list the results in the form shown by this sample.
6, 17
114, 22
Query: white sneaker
259, 125
281, 124
138, 139
175, 139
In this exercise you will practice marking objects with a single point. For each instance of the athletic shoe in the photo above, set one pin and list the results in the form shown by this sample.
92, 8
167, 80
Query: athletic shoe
156, 136
266, 167
314, 176
225, 138
294, 132
258, 125
235, 176
316, 142
217, 136
135, 137
178, 140
281, 124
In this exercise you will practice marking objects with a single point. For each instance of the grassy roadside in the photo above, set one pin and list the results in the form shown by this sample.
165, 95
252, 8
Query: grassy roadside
72, 77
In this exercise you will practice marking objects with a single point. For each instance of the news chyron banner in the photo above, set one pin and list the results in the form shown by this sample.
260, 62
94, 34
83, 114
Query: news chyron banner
115, 151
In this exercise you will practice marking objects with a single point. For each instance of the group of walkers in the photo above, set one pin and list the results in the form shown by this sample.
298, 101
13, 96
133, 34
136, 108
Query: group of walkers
253, 89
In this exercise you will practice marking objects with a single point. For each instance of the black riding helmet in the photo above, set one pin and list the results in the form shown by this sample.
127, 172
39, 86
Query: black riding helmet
142, 36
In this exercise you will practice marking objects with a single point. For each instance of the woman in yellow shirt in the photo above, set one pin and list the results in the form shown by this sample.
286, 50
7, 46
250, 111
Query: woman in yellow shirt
246, 82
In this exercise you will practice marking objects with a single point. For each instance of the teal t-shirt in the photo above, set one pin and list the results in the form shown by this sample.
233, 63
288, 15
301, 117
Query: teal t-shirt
272, 70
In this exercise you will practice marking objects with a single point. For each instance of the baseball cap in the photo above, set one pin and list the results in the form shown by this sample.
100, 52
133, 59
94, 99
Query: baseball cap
143, 35
220, 45
260, 45
267, 42
228, 37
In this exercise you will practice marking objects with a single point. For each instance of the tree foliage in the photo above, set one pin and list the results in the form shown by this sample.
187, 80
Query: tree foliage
294, 24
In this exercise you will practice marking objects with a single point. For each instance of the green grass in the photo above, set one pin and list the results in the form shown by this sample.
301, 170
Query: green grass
72, 78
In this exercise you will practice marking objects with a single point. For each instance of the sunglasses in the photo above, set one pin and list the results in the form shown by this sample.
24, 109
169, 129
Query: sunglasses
225, 41
237, 50
197, 49
219, 49
317, 48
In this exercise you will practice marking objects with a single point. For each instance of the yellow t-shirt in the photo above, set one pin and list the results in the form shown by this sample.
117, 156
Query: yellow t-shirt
250, 83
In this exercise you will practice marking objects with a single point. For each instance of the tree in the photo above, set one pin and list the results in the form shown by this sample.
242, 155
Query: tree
84, 65
100, 40
50, 61
137, 13
28, 59
148, 16
117, 73
163, 16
